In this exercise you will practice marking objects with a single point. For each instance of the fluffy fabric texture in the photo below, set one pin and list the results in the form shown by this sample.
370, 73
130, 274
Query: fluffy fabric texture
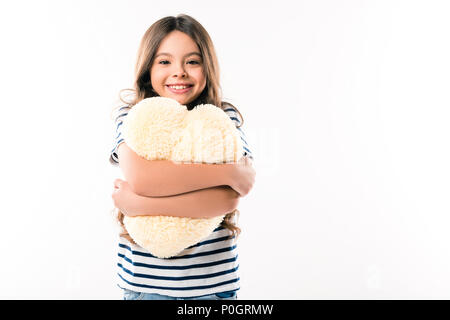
160, 128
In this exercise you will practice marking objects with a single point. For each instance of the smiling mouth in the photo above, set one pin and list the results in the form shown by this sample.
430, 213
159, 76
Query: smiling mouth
180, 89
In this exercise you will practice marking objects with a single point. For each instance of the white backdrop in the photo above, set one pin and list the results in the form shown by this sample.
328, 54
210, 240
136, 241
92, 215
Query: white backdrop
346, 109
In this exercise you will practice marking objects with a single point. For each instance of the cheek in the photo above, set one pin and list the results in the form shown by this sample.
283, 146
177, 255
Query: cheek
200, 77
195, 72
156, 77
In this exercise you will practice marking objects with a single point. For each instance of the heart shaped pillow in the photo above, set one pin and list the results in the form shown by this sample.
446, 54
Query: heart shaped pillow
160, 128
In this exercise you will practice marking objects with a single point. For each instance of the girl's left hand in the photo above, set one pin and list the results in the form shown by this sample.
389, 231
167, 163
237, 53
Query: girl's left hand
124, 198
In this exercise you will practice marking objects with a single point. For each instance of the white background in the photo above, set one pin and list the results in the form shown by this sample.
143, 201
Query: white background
346, 109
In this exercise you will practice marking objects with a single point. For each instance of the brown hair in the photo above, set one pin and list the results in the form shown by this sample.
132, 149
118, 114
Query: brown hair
212, 94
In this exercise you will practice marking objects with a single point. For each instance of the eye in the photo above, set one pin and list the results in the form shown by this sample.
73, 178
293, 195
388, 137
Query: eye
161, 62
195, 62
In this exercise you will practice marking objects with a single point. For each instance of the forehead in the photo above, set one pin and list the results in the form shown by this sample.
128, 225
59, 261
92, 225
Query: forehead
177, 43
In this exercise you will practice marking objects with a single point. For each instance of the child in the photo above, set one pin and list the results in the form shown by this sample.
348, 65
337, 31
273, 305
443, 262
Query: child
176, 59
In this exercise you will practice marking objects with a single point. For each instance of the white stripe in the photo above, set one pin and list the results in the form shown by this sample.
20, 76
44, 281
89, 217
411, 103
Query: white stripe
177, 286
178, 262
149, 266
206, 250
181, 272
180, 280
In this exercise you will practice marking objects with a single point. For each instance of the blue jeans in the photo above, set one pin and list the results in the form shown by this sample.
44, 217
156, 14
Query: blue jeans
133, 295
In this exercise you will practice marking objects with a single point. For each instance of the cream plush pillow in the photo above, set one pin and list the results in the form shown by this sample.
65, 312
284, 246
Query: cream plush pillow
160, 128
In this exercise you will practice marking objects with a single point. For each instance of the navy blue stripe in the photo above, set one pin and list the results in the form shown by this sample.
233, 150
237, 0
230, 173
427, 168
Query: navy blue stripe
192, 266
125, 107
242, 133
229, 109
245, 142
200, 254
205, 253
121, 115
195, 277
236, 119
118, 125
182, 288
210, 241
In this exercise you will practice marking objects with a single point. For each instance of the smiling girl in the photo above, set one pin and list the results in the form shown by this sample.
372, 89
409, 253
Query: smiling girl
176, 59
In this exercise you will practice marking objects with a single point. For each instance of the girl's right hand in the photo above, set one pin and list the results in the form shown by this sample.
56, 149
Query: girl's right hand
243, 176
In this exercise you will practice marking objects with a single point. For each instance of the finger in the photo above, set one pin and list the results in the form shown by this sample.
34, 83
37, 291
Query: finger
117, 183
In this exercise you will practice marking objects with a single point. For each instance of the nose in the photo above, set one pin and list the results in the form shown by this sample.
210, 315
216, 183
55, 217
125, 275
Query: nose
180, 72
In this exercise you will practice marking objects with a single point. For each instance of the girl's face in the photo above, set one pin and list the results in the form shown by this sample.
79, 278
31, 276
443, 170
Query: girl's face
177, 70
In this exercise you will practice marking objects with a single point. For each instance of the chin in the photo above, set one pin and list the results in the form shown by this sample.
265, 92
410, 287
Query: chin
180, 100
183, 101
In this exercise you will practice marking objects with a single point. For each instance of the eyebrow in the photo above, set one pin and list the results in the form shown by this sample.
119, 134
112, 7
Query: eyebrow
186, 55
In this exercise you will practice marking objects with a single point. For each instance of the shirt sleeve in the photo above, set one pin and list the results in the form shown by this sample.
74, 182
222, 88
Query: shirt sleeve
122, 112
231, 112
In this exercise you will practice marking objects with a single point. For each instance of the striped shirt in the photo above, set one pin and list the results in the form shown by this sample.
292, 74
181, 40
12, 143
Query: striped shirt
208, 267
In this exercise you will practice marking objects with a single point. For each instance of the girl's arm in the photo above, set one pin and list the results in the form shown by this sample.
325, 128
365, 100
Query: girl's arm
159, 178
206, 203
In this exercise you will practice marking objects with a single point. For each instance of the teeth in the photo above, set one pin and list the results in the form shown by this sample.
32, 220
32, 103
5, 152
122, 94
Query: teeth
179, 87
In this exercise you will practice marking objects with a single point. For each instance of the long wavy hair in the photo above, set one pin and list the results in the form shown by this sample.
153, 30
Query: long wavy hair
142, 88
